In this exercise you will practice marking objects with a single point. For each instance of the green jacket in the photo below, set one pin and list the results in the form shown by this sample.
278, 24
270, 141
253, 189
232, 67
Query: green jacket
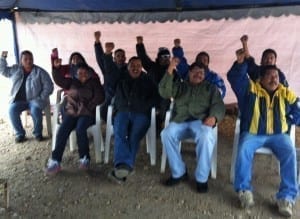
192, 101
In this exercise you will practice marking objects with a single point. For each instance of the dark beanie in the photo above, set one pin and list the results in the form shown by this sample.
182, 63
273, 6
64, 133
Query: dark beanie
163, 51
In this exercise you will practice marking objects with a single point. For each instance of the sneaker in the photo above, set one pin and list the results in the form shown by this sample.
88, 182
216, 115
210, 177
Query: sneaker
53, 167
202, 187
112, 176
122, 170
285, 207
84, 163
20, 139
171, 181
246, 199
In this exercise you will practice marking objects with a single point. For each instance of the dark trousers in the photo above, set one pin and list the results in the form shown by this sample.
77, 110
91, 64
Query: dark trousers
69, 123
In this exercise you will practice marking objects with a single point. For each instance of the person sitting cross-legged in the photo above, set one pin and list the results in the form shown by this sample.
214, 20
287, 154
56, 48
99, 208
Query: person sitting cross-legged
267, 109
198, 107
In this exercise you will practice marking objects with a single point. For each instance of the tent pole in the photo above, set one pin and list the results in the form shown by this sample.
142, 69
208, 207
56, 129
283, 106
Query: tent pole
16, 42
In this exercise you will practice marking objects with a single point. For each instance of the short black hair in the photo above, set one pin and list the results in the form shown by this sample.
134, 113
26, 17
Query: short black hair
266, 52
119, 50
202, 53
83, 66
26, 52
195, 64
266, 68
133, 58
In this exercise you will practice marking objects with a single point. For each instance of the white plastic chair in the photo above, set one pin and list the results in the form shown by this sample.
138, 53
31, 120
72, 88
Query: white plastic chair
213, 172
47, 114
150, 136
262, 150
94, 131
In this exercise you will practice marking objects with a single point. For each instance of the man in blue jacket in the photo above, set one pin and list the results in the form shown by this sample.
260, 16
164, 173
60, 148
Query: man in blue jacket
267, 110
31, 88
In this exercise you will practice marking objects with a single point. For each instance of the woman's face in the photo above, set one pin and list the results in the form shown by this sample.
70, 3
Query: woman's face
82, 75
76, 59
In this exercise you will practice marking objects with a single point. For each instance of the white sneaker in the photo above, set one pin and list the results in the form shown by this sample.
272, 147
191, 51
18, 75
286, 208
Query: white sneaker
285, 207
84, 163
53, 167
246, 199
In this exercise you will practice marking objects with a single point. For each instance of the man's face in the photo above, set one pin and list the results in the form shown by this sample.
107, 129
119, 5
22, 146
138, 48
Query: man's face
270, 80
27, 62
82, 75
135, 68
120, 58
269, 59
202, 59
196, 75
164, 60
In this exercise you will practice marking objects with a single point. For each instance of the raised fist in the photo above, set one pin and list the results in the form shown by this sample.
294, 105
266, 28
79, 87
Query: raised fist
177, 42
244, 39
97, 35
4, 54
139, 39
109, 46
57, 63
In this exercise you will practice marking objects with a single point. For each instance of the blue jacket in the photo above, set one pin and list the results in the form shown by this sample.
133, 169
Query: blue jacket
210, 76
254, 71
182, 67
261, 113
39, 85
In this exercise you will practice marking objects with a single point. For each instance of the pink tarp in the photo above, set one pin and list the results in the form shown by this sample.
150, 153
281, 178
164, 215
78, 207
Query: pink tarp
220, 38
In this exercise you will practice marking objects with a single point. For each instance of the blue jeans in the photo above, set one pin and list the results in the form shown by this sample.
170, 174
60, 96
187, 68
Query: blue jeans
80, 124
205, 142
129, 129
285, 152
15, 110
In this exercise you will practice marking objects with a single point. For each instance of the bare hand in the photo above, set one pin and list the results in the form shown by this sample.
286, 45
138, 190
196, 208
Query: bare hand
177, 42
210, 121
244, 39
97, 36
139, 39
4, 54
109, 46
173, 63
57, 63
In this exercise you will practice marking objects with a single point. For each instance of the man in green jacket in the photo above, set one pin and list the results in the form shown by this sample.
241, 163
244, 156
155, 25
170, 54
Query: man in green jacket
198, 106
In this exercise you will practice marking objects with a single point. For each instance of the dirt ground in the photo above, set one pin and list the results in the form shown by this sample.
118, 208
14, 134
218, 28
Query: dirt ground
76, 194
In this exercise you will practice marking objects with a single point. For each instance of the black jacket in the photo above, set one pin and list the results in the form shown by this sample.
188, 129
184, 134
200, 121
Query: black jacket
135, 95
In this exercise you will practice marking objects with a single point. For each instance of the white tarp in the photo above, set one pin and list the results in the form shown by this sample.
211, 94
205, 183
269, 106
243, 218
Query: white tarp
220, 38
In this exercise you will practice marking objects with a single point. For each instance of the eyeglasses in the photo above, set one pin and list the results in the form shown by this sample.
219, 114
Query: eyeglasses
166, 56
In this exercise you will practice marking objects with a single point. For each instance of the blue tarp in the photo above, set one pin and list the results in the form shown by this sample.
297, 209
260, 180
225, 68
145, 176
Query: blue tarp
137, 5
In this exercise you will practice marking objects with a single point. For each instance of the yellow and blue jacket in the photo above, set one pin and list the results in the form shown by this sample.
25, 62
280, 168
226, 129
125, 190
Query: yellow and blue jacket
261, 113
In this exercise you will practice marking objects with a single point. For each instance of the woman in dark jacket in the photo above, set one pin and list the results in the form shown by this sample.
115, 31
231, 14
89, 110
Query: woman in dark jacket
84, 94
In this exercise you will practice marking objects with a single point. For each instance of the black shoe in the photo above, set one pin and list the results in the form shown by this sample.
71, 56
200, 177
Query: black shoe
112, 176
202, 187
122, 170
174, 181
20, 139
39, 138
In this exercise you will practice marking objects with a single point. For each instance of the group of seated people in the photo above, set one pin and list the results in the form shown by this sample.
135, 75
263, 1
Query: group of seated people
267, 108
